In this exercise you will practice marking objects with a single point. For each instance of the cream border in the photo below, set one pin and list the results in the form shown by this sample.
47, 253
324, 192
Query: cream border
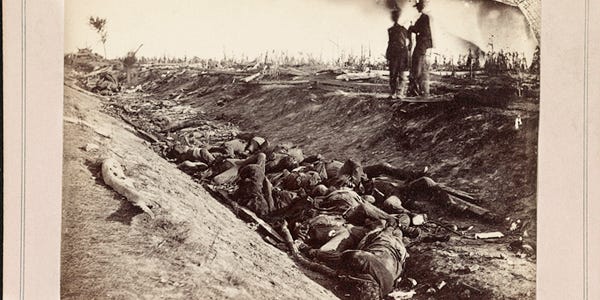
32, 161
566, 138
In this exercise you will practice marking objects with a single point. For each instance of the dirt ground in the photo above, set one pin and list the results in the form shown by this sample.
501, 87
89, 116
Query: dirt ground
468, 143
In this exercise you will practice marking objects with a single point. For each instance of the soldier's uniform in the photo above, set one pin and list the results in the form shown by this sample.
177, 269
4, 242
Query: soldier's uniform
397, 56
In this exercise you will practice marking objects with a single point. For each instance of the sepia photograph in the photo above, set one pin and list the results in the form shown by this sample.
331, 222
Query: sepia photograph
317, 149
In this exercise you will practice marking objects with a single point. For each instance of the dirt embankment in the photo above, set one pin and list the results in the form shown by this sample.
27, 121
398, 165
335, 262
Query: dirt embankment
195, 248
471, 143
470, 146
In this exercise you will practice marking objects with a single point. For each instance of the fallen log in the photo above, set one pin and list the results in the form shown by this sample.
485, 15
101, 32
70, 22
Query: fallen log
351, 84
330, 71
283, 82
226, 72
449, 228
251, 77
455, 73
372, 74
430, 99
356, 76
113, 176
293, 71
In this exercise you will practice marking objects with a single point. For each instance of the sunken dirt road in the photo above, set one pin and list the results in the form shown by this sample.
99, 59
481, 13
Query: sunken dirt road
195, 247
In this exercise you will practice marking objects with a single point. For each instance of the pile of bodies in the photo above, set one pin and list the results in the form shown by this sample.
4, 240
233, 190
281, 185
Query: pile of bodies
345, 216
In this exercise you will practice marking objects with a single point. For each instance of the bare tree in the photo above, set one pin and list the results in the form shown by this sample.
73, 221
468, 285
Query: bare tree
99, 25
129, 62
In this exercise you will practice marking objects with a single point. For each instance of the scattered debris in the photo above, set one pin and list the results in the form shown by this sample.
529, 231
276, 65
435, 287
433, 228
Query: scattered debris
441, 285
406, 283
473, 268
90, 147
489, 235
372, 74
419, 219
400, 295
520, 247
496, 256
518, 122
466, 269
251, 77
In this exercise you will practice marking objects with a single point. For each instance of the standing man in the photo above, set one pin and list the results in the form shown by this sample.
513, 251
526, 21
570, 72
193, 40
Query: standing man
419, 71
470, 64
397, 55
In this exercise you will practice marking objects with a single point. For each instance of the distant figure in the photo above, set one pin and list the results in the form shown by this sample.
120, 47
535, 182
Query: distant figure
419, 72
470, 64
397, 56
535, 61
502, 64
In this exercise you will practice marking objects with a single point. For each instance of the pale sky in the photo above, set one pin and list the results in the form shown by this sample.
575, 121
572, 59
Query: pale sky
206, 28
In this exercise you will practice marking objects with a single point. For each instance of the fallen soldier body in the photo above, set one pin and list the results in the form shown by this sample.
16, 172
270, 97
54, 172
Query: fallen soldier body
235, 148
346, 216
378, 257
255, 191
339, 220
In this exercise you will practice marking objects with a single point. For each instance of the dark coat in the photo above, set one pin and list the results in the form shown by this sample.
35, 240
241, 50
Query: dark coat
397, 43
422, 29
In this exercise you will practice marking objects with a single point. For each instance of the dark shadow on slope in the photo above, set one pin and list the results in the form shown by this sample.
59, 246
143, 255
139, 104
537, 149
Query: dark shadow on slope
125, 213
127, 210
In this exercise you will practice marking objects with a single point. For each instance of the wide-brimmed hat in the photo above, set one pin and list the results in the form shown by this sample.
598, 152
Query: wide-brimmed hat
419, 2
